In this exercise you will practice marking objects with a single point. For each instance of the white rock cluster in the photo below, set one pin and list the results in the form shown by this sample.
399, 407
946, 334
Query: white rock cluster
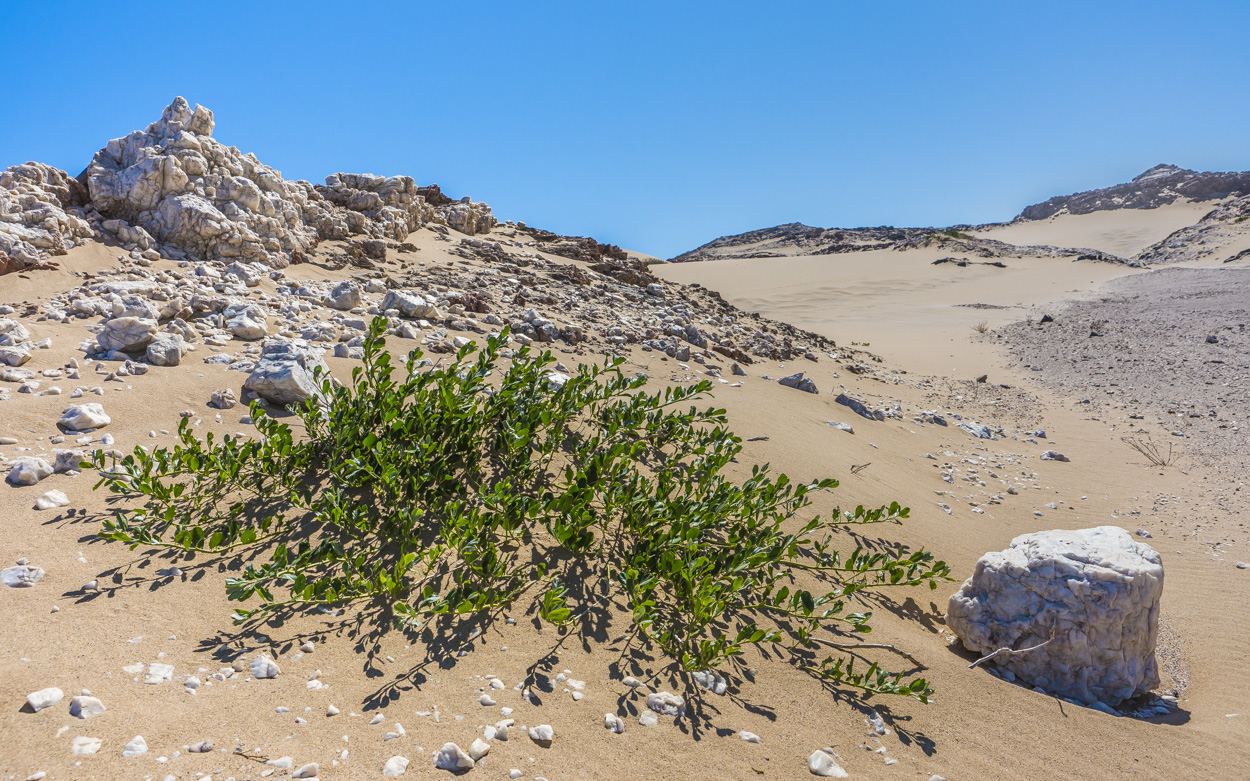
41, 213
174, 185
1094, 591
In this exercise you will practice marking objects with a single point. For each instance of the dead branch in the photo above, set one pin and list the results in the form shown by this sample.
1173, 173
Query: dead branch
1011, 651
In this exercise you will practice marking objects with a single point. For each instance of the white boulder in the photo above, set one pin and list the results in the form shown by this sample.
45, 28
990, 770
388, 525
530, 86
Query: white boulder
166, 350
246, 321
83, 417
1091, 595
126, 334
821, 764
345, 295
84, 707
13, 356
28, 470
284, 373
410, 305
264, 667
51, 500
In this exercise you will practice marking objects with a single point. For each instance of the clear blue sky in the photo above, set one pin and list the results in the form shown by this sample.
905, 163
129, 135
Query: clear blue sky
659, 125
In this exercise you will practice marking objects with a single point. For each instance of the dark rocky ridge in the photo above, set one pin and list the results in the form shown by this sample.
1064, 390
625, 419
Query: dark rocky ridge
1159, 186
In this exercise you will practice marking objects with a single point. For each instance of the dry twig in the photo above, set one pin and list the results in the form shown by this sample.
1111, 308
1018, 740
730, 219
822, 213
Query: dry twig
1011, 651
855, 646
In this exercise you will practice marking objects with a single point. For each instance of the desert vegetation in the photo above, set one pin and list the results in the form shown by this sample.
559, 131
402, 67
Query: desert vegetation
453, 492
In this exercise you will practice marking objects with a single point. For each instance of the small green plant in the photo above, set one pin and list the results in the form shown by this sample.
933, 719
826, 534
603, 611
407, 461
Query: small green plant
453, 492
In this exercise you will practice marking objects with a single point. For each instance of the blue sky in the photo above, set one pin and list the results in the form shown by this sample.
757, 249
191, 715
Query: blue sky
659, 125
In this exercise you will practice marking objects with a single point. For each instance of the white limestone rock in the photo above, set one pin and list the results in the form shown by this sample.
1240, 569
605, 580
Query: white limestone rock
264, 667
21, 576
344, 296
44, 698
395, 766
452, 757
666, 704
83, 417
542, 734
479, 749
14, 356
410, 305
51, 500
246, 321
135, 747
223, 398
166, 350
84, 707
1095, 590
284, 373
28, 470
85, 746
42, 213
821, 764
126, 334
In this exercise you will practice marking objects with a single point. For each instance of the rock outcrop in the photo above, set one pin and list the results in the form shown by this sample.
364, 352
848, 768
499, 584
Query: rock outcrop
1091, 596
1159, 186
175, 187
41, 214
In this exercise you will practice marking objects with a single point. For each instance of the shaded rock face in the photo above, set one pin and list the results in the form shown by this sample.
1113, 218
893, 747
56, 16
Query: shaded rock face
1095, 591
174, 184
1159, 186
41, 214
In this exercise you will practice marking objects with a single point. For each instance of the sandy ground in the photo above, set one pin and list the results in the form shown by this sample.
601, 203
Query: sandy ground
1123, 232
978, 727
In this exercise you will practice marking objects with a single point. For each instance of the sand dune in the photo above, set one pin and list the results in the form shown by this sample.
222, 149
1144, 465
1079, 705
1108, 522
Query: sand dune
1123, 232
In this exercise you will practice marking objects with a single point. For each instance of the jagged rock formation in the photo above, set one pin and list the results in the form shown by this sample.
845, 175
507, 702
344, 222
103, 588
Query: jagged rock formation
175, 184
1085, 601
41, 214
1161, 185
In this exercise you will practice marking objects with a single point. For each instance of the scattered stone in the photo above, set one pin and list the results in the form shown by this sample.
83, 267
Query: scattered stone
648, 719
1090, 595
395, 766
21, 576
51, 500
479, 749
84, 746
83, 417
859, 408
264, 667
84, 707
452, 757
222, 399
1053, 455
28, 470
712, 681
135, 747
44, 698
749, 737
613, 723
821, 764
309, 770
666, 704
798, 382
542, 734
205, 746
1143, 533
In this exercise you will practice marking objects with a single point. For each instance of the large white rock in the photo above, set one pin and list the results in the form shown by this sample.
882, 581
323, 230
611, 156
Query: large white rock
51, 500
166, 350
1097, 590
284, 373
14, 356
264, 667
246, 321
84, 707
28, 470
127, 334
395, 766
821, 764
410, 304
83, 417
345, 295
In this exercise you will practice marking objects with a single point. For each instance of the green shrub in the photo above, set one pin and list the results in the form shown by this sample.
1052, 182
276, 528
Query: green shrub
459, 490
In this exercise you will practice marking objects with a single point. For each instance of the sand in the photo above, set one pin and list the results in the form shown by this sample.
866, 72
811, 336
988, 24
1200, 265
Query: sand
977, 727
1122, 232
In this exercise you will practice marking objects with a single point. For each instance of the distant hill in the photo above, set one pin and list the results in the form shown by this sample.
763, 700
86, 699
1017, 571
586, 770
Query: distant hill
1159, 186
1226, 226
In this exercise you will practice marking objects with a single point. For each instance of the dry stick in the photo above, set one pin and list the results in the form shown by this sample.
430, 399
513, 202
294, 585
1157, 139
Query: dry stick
1010, 651
852, 646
